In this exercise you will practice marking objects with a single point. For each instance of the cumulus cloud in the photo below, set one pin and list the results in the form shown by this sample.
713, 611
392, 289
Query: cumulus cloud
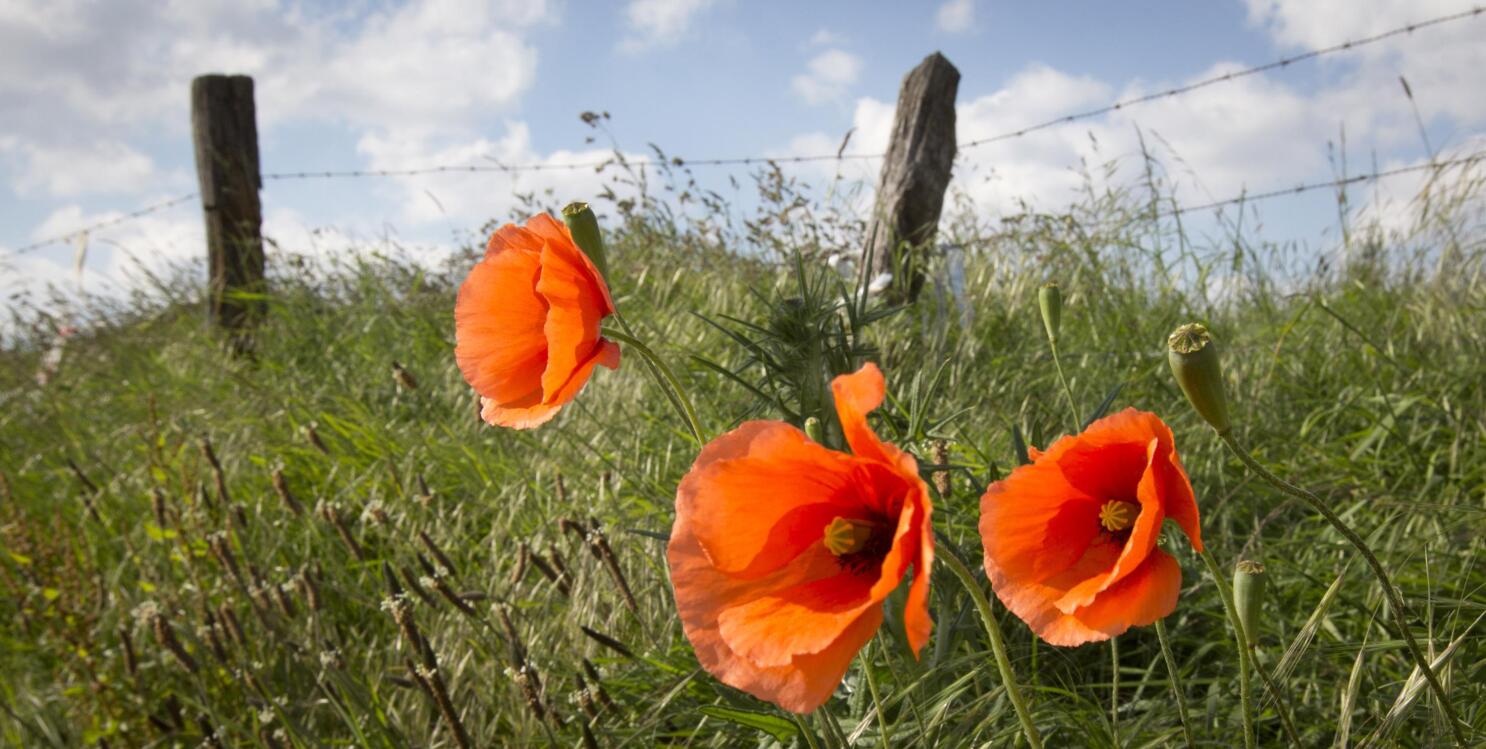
826, 38
659, 23
70, 68
470, 199
70, 170
827, 76
956, 16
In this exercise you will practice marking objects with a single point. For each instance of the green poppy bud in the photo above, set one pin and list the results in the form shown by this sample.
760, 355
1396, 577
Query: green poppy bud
813, 430
1050, 299
1248, 596
1194, 361
584, 226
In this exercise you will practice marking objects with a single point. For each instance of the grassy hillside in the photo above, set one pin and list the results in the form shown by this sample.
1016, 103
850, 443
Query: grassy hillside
152, 598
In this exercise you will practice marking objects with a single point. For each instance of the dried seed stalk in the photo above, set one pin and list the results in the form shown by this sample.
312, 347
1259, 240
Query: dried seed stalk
331, 513
165, 636
523, 555
281, 488
437, 553
941, 477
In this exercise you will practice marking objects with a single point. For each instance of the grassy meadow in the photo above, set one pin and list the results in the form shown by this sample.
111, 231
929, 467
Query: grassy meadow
160, 587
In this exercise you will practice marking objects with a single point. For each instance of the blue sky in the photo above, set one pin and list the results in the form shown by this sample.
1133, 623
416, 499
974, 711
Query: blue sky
94, 97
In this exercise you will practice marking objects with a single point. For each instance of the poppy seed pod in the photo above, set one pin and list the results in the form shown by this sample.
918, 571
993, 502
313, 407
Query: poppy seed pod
813, 431
1248, 596
1050, 299
1194, 360
584, 226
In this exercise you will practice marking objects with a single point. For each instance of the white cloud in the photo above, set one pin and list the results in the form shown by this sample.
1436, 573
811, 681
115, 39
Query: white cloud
467, 200
956, 16
69, 67
827, 76
658, 23
826, 38
104, 166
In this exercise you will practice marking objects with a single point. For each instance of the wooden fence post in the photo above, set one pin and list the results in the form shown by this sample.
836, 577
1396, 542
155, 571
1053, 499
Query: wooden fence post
225, 130
915, 174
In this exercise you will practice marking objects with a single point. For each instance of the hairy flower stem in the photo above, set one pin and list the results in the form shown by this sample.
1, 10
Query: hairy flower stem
1395, 599
998, 642
663, 376
1240, 641
1274, 694
1176, 683
1114, 690
882, 723
1078, 419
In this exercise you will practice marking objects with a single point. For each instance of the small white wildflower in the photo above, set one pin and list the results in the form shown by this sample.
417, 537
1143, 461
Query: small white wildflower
427, 582
373, 512
145, 611
265, 716
330, 658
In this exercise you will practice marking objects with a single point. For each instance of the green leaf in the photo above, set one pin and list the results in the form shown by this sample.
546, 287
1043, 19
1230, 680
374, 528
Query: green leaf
782, 729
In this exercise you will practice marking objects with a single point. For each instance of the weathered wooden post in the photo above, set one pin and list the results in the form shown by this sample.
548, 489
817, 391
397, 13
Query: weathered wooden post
225, 130
915, 174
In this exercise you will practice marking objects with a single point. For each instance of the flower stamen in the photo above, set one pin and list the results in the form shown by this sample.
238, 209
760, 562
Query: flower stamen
843, 536
1117, 515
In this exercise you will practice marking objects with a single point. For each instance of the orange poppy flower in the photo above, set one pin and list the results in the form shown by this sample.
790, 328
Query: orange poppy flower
526, 324
1070, 540
783, 550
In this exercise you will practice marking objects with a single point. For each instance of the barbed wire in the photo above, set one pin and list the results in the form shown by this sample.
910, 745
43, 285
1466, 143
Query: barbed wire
1282, 62
839, 156
1230, 76
130, 216
1335, 183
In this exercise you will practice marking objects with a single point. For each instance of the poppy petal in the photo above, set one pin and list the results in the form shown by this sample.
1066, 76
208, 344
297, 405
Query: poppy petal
753, 512
517, 417
510, 237
917, 623
498, 320
703, 593
1145, 595
1034, 524
773, 629
858, 394
1142, 540
575, 311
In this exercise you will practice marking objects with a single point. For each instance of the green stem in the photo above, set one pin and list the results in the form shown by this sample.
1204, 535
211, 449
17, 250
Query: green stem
1395, 599
1241, 641
1176, 682
1114, 690
1078, 419
998, 642
1274, 694
806, 732
876, 698
663, 376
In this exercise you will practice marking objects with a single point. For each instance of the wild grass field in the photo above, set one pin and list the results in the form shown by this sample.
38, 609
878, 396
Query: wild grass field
303, 548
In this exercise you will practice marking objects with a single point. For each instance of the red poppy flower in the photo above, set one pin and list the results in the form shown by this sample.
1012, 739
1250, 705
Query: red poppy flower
526, 324
783, 550
1070, 540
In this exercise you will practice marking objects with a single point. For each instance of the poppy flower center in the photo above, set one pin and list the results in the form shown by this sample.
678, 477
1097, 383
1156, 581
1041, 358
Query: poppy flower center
858, 544
1117, 515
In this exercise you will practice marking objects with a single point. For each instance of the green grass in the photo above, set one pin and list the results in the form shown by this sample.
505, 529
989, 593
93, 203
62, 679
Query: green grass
1365, 382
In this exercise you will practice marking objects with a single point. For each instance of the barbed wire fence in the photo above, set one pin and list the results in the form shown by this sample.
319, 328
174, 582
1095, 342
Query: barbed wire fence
840, 156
